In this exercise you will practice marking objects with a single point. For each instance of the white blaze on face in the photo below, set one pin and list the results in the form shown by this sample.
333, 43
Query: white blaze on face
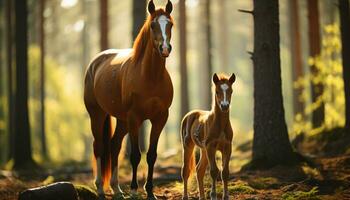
163, 21
224, 88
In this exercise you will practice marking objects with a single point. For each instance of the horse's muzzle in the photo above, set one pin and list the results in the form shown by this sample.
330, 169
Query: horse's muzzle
165, 50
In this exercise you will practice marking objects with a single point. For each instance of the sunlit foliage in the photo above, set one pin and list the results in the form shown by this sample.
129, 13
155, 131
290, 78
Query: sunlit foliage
330, 68
66, 130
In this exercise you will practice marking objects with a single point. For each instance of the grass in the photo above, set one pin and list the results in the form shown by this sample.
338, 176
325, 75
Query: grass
300, 195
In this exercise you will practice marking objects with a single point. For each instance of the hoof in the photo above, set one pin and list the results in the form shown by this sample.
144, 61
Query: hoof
101, 197
226, 197
118, 196
135, 195
185, 198
213, 196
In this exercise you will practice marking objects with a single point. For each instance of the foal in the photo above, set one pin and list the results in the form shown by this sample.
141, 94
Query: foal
211, 131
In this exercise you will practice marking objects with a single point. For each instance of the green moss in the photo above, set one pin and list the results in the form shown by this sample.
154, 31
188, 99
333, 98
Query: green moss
242, 189
264, 183
85, 192
300, 195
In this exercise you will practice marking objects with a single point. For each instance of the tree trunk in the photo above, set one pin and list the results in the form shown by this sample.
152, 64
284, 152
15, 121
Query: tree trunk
315, 50
297, 63
42, 78
22, 142
104, 24
139, 16
85, 54
223, 39
183, 58
205, 86
345, 37
271, 144
9, 49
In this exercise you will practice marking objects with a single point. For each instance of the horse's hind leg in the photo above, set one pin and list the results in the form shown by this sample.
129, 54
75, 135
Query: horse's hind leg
98, 118
116, 143
188, 158
201, 168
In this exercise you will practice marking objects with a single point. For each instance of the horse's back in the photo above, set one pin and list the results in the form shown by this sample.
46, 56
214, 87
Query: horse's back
100, 69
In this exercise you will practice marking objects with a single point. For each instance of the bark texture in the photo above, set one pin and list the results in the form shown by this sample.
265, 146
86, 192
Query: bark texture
345, 37
297, 63
22, 141
271, 144
315, 50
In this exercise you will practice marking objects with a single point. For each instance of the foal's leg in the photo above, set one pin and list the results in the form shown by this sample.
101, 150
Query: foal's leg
116, 143
201, 168
97, 121
188, 148
226, 155
133, 127
157, 127
214, 171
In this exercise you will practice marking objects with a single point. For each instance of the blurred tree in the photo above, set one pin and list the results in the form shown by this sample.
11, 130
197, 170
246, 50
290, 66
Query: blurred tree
205, 86
223, 39
139, 16
345, 38
22, 142
42, 77
9, 61
315, 51
271, 144
104, 24
297, 63
183, 58
84, 37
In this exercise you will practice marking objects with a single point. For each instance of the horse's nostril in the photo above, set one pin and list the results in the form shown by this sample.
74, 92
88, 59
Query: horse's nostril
170, 48
160, 48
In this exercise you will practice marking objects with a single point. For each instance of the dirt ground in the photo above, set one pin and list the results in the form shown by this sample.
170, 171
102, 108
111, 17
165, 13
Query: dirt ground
327, 177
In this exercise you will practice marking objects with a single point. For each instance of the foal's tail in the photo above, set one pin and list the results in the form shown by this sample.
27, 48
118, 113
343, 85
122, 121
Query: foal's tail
106, 153
186, 135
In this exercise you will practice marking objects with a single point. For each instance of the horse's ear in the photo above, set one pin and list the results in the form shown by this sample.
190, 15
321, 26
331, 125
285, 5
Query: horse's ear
215, 78
151, 7
169, 7
232, 78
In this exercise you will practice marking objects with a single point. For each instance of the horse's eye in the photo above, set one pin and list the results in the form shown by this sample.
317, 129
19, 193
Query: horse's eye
153, 25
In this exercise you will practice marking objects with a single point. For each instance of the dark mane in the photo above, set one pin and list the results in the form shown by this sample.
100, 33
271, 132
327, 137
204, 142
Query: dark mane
143, 37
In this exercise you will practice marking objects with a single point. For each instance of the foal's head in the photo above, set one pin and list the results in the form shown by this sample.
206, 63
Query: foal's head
223, 90
161, 24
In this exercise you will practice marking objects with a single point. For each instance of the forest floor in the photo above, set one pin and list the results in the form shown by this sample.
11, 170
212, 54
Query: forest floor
327, 176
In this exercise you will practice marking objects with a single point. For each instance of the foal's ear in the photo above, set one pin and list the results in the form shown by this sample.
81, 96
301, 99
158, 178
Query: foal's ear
232, 79
151, 7
169, 7
215, 78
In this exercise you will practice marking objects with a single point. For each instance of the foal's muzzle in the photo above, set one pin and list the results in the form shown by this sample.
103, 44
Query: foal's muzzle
225, 107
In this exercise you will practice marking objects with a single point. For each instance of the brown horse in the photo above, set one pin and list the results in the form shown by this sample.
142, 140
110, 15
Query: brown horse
131, 85
211, 131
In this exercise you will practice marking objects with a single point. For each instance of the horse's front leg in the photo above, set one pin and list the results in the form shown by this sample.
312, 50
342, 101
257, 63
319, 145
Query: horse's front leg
214, 171
133, 127
157, 127
225, 174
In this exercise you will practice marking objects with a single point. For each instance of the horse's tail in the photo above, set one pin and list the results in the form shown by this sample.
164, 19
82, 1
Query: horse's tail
106, 169
186, 134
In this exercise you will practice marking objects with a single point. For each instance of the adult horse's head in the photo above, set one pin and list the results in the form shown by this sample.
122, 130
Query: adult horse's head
223, 90
161, 25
